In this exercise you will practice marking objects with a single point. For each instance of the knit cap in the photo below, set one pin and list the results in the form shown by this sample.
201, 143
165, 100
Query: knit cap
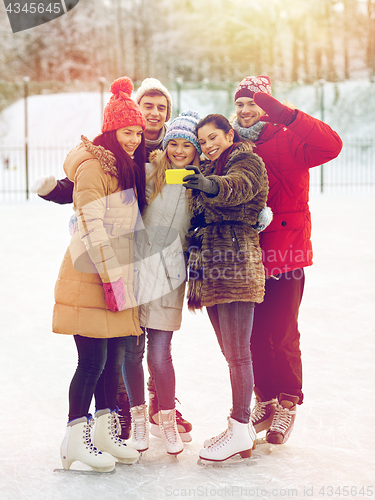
121, 111
252, 84
150, 84
184, 127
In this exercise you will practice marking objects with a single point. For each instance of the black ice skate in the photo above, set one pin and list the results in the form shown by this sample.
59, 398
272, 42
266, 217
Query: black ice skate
283, 420
124, 415
263, 412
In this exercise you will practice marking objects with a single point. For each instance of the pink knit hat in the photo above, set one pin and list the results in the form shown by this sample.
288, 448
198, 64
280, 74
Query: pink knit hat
121, 111
252, 84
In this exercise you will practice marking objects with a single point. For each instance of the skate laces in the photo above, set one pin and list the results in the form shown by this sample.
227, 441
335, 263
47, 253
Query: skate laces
282, 419
139, 421
260, 409
222, 438
87, 436
115, 427
169, 427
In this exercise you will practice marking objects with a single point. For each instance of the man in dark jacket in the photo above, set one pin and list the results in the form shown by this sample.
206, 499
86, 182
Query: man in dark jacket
289, 142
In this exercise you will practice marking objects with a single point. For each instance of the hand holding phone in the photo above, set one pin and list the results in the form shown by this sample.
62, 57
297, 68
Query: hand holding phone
175, 175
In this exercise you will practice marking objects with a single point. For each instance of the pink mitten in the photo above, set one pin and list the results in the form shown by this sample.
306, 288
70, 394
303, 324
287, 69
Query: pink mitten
276, 112
115, 295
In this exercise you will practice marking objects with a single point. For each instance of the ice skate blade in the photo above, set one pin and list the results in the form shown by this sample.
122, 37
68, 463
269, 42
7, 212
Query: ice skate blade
272, 447
229, 462
260, 441
85, 472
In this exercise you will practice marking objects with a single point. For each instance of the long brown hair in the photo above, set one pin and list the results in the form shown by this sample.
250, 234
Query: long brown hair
131, 172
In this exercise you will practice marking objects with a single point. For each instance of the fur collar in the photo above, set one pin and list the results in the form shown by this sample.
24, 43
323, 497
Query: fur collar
105, 157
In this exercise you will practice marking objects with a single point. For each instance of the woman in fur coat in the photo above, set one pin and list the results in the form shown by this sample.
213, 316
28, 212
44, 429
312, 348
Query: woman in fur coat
161, 279
226, 273
94, 296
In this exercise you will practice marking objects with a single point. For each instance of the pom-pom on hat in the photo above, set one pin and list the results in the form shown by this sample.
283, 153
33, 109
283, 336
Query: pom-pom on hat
184, 127
121, 111
150, 84
252, 84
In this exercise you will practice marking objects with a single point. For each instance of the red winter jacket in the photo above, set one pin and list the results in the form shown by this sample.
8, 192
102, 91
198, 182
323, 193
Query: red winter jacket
288, 153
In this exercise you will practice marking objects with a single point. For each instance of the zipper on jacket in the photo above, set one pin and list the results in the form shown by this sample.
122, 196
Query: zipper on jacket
234, 239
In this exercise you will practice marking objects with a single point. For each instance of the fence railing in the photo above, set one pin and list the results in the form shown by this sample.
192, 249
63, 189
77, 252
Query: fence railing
352, 172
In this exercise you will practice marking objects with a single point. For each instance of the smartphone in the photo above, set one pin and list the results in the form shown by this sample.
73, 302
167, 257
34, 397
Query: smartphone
175, 175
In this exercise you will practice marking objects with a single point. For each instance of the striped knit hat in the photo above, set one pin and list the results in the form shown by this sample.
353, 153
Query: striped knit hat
150, 84
252, 84
121, 111
184, 127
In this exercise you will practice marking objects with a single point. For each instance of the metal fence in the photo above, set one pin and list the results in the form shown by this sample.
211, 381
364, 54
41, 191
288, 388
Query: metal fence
352, 172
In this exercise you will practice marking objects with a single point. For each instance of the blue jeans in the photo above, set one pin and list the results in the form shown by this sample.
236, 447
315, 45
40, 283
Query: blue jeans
159, 358
97, 373
233, 323
160, 363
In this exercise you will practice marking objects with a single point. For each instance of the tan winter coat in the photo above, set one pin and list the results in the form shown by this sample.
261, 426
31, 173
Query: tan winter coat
167, 221
225, 261
101, 249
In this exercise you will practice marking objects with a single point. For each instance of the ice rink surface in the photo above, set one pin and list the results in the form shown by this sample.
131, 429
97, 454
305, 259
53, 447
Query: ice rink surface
331, 452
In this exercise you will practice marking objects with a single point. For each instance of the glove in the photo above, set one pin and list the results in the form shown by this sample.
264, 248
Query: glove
199, 181
115, 295
276, 112
265, 217
44, 185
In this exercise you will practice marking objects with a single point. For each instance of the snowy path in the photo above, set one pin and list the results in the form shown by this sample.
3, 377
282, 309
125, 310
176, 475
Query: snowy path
332, 444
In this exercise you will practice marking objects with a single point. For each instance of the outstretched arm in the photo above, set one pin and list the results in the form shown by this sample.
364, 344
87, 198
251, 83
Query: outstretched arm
49, 189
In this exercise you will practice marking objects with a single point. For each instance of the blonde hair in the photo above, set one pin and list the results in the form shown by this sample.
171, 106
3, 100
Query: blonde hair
162, 163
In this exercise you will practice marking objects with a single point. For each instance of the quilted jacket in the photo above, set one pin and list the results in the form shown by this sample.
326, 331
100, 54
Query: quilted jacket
101, 249
288, 154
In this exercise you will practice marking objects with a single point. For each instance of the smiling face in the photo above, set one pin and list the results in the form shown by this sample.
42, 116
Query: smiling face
247, 111
154, 108
214, 141
129, 138
180, 152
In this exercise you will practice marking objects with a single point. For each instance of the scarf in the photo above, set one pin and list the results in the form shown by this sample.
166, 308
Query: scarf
156, 143
250, 133
220, 163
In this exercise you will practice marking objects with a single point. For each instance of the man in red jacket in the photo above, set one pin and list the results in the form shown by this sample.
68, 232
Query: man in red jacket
290, 142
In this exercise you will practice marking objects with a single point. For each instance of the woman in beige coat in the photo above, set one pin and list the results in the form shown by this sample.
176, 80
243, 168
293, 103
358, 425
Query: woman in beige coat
94, 294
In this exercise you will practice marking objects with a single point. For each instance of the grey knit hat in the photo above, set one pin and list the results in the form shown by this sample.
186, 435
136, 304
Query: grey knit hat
150, 84
184, 127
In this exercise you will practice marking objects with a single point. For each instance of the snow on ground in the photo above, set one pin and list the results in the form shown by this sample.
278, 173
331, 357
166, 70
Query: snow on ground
332, 445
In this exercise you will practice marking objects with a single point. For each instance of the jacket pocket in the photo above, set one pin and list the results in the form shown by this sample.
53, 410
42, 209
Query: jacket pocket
286, 222
174, 299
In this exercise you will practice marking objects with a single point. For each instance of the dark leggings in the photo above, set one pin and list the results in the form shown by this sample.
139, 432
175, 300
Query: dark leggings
97, 373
